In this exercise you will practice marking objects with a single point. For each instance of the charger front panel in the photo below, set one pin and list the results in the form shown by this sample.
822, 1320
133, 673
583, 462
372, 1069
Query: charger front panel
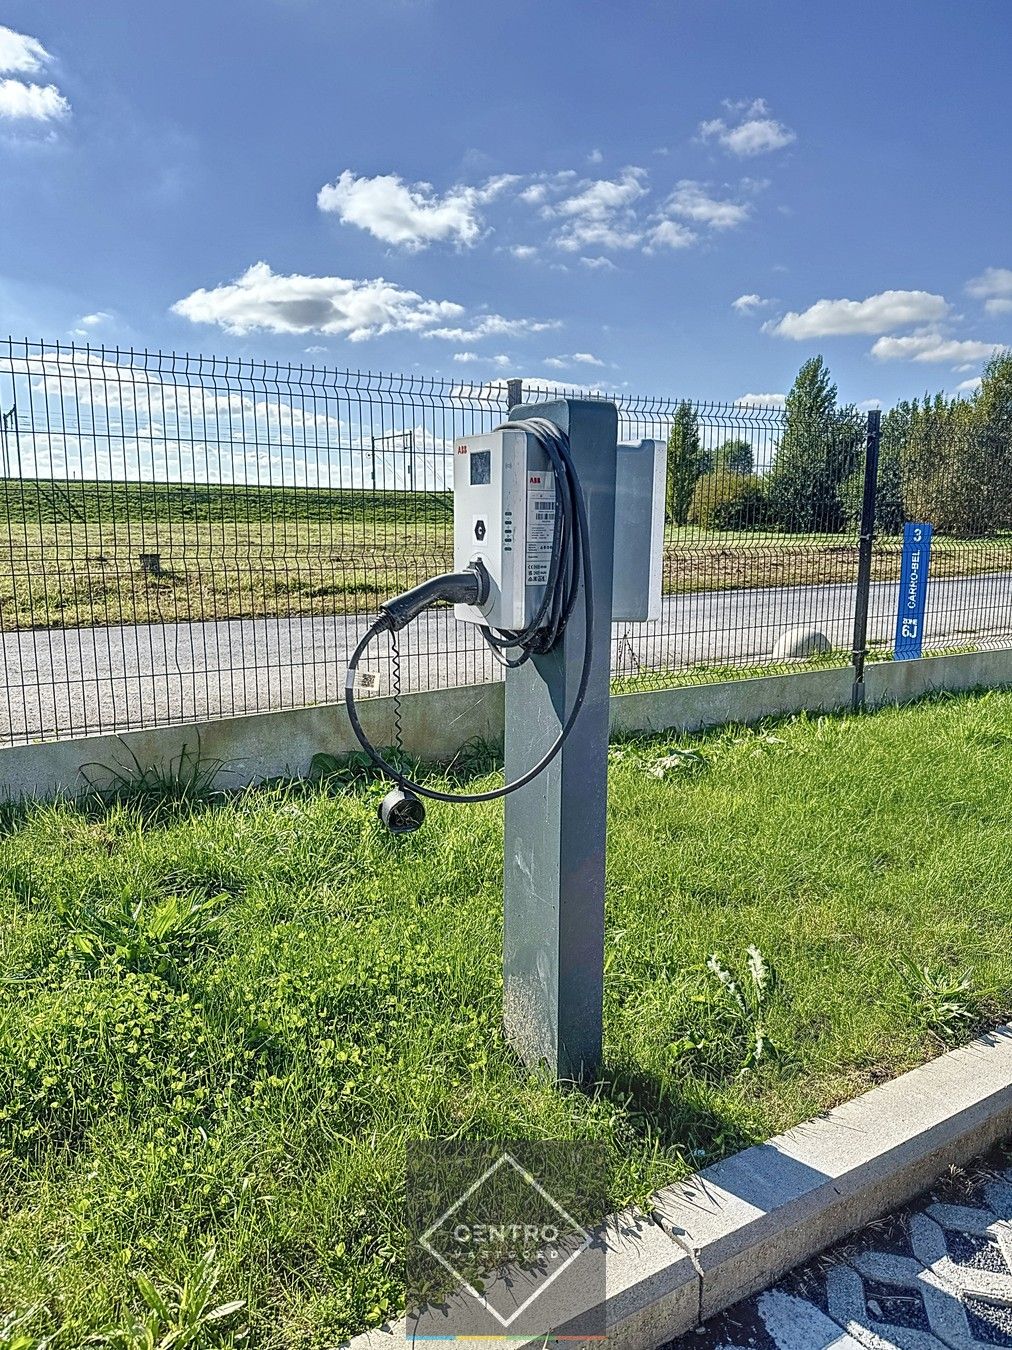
504, 515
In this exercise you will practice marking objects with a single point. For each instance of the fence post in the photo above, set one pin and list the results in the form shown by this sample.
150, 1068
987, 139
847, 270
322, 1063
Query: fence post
514, 393
867, 539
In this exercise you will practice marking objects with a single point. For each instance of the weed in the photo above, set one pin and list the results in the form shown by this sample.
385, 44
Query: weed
181, 1317
154, 788
732, 1033
940, 1001
154, 935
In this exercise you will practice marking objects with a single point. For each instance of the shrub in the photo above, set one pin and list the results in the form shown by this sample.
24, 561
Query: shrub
724, 500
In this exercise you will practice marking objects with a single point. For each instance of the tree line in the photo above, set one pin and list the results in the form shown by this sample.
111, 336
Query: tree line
947, 461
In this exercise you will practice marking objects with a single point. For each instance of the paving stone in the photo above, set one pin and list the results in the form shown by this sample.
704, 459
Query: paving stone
936, 1277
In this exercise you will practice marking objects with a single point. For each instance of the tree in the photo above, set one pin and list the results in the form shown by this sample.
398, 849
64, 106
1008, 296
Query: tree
992, 420
686, 461
889, 514
735, 456
727, 500
818, 450
944, 467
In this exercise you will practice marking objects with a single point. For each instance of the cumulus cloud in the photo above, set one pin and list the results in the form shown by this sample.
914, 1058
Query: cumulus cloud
748, 304
692, 201
21, 54
524, 251
32, 102
601, 214
994, 287
492, 325
969, 386
21, 100
877, 314
761, 400
933, 347
278, 303
410, 215
599, 263
575, 359
668, 234
747, 130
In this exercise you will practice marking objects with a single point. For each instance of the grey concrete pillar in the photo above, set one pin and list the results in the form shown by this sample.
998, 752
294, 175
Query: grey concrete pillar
553, 948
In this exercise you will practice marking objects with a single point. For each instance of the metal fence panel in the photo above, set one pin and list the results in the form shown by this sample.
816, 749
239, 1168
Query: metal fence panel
194, 537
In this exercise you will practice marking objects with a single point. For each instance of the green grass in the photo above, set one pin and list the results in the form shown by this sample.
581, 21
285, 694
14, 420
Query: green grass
249, 552
221, 1017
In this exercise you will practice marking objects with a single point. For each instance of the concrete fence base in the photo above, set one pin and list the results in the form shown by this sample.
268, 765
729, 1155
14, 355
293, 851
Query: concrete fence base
438, 723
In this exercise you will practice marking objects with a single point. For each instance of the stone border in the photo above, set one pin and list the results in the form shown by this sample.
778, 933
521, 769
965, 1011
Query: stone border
437, 723
739, 1225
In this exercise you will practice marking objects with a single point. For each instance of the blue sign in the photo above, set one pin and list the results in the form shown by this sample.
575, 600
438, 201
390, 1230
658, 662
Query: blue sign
913, 592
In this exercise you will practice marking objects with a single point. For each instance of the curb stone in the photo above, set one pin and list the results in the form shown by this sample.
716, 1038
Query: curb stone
737, 1226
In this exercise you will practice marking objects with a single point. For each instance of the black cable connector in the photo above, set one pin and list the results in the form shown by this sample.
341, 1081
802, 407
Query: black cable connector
469, 587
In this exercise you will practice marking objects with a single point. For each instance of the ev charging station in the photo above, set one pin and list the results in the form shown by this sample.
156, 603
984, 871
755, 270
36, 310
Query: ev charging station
558, 531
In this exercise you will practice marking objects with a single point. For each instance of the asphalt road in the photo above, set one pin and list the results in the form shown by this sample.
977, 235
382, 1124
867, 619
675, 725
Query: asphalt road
81, 680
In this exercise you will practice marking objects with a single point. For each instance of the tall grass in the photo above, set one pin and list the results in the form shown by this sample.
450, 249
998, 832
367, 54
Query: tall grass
222, 1017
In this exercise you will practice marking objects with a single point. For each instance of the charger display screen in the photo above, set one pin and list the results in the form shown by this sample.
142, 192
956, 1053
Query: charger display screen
481, 467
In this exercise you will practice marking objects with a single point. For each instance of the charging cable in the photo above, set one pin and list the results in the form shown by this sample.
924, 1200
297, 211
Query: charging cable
568, 567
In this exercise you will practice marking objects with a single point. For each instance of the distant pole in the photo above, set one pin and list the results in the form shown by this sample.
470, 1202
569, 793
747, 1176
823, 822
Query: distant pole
864, 556
374, 463
514, 393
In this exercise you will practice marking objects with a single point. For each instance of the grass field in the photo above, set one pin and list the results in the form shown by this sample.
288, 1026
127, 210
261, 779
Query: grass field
234, 552
221, 1017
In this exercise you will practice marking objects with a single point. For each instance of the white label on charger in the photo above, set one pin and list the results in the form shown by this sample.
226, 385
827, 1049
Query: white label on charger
540, 524
364, 681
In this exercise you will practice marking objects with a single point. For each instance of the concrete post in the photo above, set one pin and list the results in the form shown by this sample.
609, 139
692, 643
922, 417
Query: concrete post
553, 940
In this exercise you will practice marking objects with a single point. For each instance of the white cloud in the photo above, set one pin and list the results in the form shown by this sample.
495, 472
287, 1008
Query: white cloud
21, 100
524, 251
994, 287
969, 386
748, 304
877, 314
932, 347
576, 359
595, 157
599, 263
669, 234
410, 215
32, 102
761, 400
751, 130
535, 386
93, 320
314, 350
278, 303
866, 405
463, 357
692, 201
600, 214
21, 54
492, 325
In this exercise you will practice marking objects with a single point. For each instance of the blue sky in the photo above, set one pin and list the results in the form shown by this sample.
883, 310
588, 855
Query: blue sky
681, 197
